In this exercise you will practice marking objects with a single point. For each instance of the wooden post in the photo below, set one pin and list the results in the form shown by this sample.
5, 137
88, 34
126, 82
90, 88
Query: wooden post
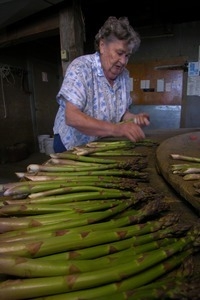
72, 32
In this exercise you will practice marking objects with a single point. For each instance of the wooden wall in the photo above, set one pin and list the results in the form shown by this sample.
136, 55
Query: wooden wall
149, 76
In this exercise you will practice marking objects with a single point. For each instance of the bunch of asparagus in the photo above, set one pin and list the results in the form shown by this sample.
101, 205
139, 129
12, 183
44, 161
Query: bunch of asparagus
189, 170
70, 232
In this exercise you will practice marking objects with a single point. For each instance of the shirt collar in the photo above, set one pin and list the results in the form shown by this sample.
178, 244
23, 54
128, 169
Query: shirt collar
100, 70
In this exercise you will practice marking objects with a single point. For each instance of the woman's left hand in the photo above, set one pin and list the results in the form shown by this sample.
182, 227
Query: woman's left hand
141, 119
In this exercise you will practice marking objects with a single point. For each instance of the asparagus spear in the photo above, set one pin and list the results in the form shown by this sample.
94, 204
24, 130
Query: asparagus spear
106, 144
83, 158
74, 188
185, 169
70, 218
69, 241
36, 209
34, 168
73, 197
29, 268
95, 283
91, 150
185, 157
138, 239
140, 175
121, 153
57, 229
137, 216
48, 188
165, 289
71, 162
72, 241
126, 143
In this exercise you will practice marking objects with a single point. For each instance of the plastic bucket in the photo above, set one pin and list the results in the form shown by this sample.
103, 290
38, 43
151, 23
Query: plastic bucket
41, 139
48, 146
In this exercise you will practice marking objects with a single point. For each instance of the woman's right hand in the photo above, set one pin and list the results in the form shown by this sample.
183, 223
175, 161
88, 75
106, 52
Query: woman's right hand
130, 130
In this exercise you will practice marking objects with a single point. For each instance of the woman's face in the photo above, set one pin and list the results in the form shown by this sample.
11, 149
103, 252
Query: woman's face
114, 57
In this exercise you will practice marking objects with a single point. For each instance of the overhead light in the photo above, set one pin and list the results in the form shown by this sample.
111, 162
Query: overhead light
183, 67
157, 36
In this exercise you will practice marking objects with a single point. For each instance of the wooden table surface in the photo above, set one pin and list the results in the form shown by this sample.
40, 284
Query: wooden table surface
177, 202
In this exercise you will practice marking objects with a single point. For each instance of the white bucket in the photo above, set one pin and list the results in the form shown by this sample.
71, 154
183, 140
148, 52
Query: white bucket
41, 139
48, 146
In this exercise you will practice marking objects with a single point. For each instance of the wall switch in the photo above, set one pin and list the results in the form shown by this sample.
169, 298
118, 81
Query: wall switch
44, 76
64, 55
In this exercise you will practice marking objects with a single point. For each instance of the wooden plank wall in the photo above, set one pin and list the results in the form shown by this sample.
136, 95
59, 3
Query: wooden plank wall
171, 76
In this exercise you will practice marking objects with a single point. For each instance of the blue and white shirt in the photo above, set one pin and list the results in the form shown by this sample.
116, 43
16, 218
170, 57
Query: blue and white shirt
86, 86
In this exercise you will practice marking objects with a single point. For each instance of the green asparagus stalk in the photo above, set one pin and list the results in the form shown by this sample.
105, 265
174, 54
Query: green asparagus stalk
138, 249
185, 157
106, 144
150, 226
41, 183
126, 143
83, 158
29, 268
48, 177
70, 162
70, 218
56, 229
137, 281
81, 150
185, 169
178, 288
73, 197
34, 168
140, 175
183, 166
120, 153
92, 148
33, 268
51, 188
36, 209
72, 241
137, 216
71, 189
37, 191
106, 283
135, 248
148, 235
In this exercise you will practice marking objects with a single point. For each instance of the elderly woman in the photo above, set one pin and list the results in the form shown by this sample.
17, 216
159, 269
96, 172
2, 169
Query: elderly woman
94, 98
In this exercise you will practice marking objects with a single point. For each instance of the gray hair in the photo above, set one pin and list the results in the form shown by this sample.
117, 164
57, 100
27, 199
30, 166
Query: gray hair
120, 29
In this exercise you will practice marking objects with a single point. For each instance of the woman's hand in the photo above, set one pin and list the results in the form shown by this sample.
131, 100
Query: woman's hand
129, 130
141, 119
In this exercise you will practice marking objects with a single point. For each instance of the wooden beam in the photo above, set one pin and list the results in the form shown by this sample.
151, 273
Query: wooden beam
72, 33
29, 31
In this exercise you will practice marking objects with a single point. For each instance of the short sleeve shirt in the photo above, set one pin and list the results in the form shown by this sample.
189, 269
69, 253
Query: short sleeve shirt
86, 86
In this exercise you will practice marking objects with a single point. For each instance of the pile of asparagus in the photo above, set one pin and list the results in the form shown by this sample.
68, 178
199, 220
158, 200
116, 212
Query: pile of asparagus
84, 226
